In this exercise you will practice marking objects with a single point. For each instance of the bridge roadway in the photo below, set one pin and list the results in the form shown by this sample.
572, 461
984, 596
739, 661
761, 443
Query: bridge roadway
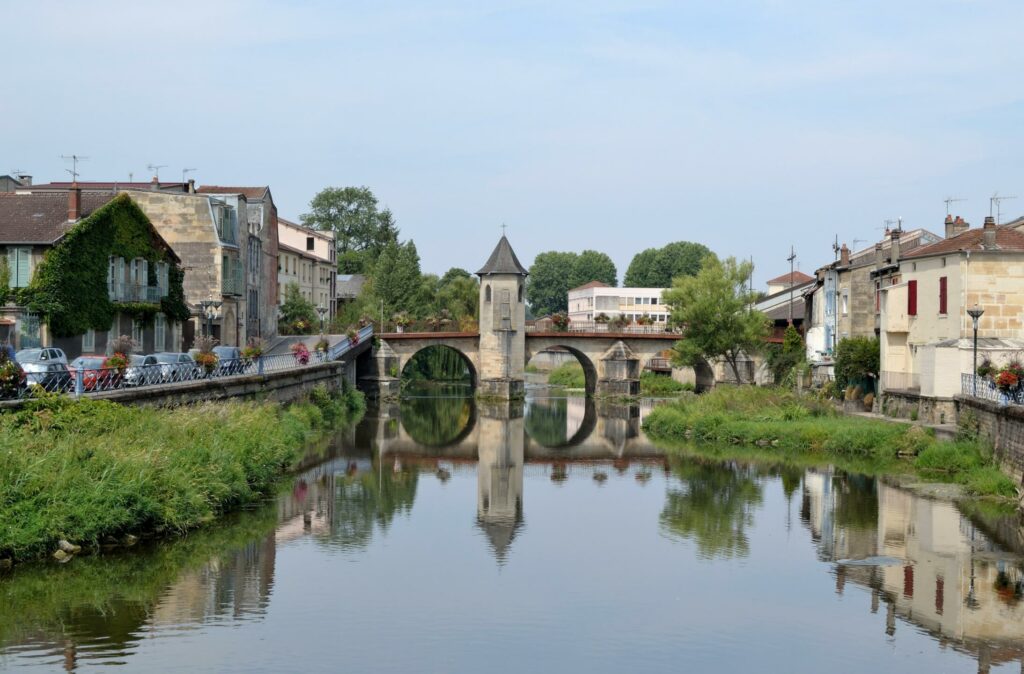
611, 361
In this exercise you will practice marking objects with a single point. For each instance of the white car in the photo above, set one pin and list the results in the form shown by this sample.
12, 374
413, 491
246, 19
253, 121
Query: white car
35, 361
177, 366
142, 370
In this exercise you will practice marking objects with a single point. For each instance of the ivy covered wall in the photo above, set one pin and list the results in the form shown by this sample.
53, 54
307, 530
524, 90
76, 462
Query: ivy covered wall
69, 287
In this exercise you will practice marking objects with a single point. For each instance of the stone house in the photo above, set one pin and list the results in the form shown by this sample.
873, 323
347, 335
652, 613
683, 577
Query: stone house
307, 258
84, 268
926, 333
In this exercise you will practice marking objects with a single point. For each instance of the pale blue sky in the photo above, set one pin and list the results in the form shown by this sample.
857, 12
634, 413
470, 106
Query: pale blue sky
600, 124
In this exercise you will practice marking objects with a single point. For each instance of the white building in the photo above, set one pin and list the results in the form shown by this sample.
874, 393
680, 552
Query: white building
592, 299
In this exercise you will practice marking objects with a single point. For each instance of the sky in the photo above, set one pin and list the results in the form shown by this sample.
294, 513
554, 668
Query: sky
749, 125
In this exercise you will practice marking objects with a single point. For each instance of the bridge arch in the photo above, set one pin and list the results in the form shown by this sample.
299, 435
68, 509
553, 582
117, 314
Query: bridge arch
590, 374
439, 422
538, 415
439, 352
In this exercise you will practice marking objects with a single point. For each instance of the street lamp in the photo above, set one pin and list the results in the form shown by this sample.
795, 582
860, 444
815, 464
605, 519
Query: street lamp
210, 307
322, 310
975, 313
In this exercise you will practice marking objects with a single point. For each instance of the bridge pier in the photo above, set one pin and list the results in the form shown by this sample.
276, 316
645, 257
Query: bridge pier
505, 389
621, 372
380, 380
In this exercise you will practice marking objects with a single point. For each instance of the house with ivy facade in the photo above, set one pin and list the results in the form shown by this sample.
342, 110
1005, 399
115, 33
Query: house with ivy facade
80, 268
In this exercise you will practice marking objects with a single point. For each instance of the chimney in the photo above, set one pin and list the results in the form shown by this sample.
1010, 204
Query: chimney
879, 256
988, 233
950, 226
74, 202
154, 184
191, 185
25, 179
844, 256
960, 225
894, 247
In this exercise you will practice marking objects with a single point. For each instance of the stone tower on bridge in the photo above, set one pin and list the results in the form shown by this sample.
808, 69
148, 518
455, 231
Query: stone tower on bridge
502, 323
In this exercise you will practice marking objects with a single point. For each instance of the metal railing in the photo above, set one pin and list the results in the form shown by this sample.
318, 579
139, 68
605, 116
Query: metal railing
984, 388
903, 381
133, 292
232, 283
58, 378
659, 364
594, 326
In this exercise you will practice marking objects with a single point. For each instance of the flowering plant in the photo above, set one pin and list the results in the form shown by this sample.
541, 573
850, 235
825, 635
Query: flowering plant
323, 345
1007, 381
208, 360
560, 321
301, 353
254, 348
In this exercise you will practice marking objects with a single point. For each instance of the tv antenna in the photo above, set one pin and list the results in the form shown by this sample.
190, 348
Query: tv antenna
835, 247
184, 172
74, 158
790, 259
950, 200
887, 225
130, 176
156, 170
996, 200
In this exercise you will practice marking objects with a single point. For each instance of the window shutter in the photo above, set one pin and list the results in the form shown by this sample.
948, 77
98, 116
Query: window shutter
143, 273
24, 259
119, 278
110, 277
12, 265
912, 298
942, 295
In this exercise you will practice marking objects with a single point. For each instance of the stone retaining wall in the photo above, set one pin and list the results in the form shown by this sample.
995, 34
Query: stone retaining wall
1001, 425
912, 405
277, 386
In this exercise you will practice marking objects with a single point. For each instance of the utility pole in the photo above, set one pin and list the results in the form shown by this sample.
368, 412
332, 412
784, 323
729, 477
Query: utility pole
792, 256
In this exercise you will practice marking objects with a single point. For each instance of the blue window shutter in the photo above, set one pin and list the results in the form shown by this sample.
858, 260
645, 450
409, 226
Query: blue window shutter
24, 257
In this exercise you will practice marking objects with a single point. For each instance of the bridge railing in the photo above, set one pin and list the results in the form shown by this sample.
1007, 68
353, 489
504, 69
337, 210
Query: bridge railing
595, 326
347, 344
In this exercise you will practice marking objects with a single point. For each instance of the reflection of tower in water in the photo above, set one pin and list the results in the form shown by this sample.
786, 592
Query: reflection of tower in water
500, 474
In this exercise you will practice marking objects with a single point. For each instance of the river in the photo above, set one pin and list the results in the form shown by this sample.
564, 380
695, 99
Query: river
443, 535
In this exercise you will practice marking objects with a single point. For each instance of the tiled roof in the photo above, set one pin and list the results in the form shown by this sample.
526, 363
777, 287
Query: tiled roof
1007, 239
311, 230
503, 261
792, 277
249, 192
105, 186
781, 312
42, 218
592, 284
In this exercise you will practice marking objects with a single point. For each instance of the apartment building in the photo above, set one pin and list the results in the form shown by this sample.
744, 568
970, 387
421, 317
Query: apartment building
589, 301
306, 257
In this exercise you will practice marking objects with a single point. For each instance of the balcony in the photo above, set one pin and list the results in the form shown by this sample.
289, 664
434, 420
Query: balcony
132, 292
233, 283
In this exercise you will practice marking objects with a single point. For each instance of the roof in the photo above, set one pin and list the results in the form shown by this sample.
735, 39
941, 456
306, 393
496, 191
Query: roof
909, 240
592, 284
781, 312
327, 234
248, 192
304, 253
792, 277
1007, 239
42, 218
503, 261
107, 185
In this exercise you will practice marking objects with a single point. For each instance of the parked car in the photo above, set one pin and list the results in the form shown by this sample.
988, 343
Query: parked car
95, 377
142, 370
55, 378
177, 366
41, 355
230, 360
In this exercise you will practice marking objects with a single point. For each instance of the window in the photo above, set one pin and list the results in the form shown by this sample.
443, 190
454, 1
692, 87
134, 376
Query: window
912, 298
521, 293
137, 332
942, 295
846, 304
638, 300
309, 243
19, 262
159, 333
89, 341
487, 293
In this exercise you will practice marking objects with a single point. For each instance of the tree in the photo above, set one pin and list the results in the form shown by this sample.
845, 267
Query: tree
657, 267
361, 230
396, 279
298, 315
460, 296
554, 273
856, 358
783, 359
714, 313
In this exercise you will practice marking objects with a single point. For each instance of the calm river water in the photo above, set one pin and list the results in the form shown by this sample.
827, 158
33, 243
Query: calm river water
445, 536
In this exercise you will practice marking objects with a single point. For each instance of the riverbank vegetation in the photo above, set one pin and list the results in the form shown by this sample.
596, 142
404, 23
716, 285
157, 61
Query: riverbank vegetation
92, 472
569, 375
785, 424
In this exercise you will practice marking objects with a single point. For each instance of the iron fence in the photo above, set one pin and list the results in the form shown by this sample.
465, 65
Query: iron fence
594, 326
981, 387
43, 378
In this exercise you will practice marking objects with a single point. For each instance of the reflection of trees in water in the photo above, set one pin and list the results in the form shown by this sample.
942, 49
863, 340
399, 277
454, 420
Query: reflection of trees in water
437, 363
714, 507
856, 501
366, 501
546, 421
437, 421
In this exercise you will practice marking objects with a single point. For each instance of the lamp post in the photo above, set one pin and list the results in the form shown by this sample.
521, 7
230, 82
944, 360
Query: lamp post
322, 311
975, 313
210, 307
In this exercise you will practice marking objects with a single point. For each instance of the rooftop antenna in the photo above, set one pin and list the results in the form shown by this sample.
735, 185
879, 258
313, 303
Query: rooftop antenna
950, 200
856, 241
888, 225
130, 176
899, 224
156, 170
184, 172
791, 258
835, 247
74, 165
996, 200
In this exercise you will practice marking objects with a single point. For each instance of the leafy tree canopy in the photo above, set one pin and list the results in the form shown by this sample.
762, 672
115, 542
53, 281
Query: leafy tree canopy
396, 279
713, 311
554, 273
856, 358
298, 315
656, 267
361, 229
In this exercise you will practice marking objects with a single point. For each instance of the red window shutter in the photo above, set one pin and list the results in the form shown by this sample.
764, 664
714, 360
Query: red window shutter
912, 298
942, 294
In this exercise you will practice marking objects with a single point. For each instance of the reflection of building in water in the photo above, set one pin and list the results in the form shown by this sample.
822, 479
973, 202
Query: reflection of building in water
935, 569
236, 584
500, 475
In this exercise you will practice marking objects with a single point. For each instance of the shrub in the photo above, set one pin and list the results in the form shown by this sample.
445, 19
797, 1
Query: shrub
856, 358
560, 321
869, 401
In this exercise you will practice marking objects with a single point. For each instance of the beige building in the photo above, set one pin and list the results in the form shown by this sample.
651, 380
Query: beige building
307, 258
590, 300
926, 333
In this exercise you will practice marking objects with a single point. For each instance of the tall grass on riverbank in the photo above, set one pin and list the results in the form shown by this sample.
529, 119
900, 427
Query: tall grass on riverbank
89, 471
783, 423
569, 375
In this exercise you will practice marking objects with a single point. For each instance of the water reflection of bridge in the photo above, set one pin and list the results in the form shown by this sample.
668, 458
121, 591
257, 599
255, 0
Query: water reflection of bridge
935, 568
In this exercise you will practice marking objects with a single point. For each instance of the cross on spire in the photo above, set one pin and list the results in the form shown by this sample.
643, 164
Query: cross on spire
503, 228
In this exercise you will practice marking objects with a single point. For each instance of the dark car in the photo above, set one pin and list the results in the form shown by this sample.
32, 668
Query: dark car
229, 361
55, 378
177, 366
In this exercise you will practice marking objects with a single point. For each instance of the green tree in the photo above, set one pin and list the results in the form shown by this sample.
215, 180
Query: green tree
460, 296
856, 358
361, 229
298, 315
713, 311
554, 273
782, 359
5, 279
657, 267
396, 279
